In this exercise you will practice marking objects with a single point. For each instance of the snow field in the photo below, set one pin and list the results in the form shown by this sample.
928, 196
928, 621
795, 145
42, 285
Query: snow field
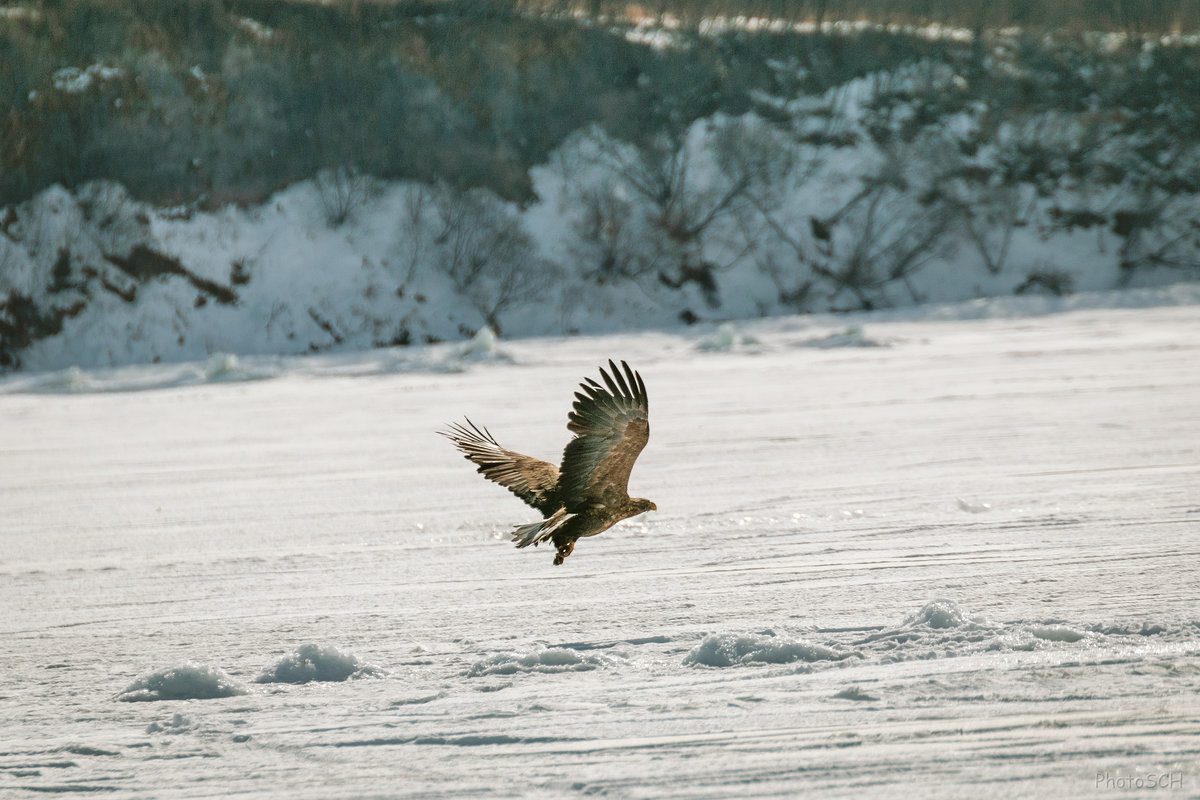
962, 563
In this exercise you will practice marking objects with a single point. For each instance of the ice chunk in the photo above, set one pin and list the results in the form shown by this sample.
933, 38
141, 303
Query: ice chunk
71, 379
1058, 633
847, 337
220, 366
483, 343
727, 338
228, 367
973, 508
483, 347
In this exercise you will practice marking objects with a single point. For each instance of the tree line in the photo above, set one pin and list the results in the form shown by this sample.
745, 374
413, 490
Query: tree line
1126, 16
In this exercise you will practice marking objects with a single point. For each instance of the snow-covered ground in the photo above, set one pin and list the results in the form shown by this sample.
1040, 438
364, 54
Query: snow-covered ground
894, 554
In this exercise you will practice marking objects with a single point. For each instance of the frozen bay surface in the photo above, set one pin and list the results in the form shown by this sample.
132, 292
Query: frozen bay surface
894, 555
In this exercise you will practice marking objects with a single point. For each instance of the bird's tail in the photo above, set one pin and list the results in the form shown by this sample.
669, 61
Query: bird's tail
538, 532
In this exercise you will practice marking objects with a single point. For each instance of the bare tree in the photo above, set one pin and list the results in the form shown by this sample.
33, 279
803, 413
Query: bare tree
989, 215
1164, 232
644, 209
987, 204
896, 236
1157, 216
659, 169
756, 161
608, 232
891, 227
482, 246
414, 244
343, 191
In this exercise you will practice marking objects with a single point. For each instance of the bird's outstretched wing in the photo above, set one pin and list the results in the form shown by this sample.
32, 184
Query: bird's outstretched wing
528, 478
611, 426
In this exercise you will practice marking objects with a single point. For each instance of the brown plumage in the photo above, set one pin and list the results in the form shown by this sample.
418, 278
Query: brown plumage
588, 493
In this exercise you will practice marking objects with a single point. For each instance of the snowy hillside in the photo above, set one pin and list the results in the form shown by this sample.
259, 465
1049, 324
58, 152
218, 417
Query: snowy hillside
725, 224
725, 173
947, 552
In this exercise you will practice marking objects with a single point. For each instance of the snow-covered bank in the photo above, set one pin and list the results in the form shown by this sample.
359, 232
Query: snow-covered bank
819, 331
961, 564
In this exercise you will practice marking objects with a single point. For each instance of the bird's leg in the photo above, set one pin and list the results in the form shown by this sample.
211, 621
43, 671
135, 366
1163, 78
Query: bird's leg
564, 550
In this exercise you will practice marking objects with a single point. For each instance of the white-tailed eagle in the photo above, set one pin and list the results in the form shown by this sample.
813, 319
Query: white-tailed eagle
588, 493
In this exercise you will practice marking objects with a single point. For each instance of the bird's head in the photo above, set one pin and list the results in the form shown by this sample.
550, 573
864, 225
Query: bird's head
644, 505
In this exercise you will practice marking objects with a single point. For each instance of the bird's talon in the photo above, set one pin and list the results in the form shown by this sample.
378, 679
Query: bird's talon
564, 550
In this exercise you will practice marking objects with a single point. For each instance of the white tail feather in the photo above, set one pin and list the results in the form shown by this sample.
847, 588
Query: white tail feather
537, 532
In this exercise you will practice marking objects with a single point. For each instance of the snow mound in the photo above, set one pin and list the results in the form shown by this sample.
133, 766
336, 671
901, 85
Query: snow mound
178, 723
731, 649
554, 659
71, 379
1038, 637
855, 693
943, 629
188, 681
228, 367
726, 339
1145, 629
848, 337
314, 662
939, 614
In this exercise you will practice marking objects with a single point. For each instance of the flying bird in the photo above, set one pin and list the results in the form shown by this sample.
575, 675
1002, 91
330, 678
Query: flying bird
589, 492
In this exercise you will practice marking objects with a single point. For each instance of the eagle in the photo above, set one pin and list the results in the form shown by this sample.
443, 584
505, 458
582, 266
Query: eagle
588, 493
